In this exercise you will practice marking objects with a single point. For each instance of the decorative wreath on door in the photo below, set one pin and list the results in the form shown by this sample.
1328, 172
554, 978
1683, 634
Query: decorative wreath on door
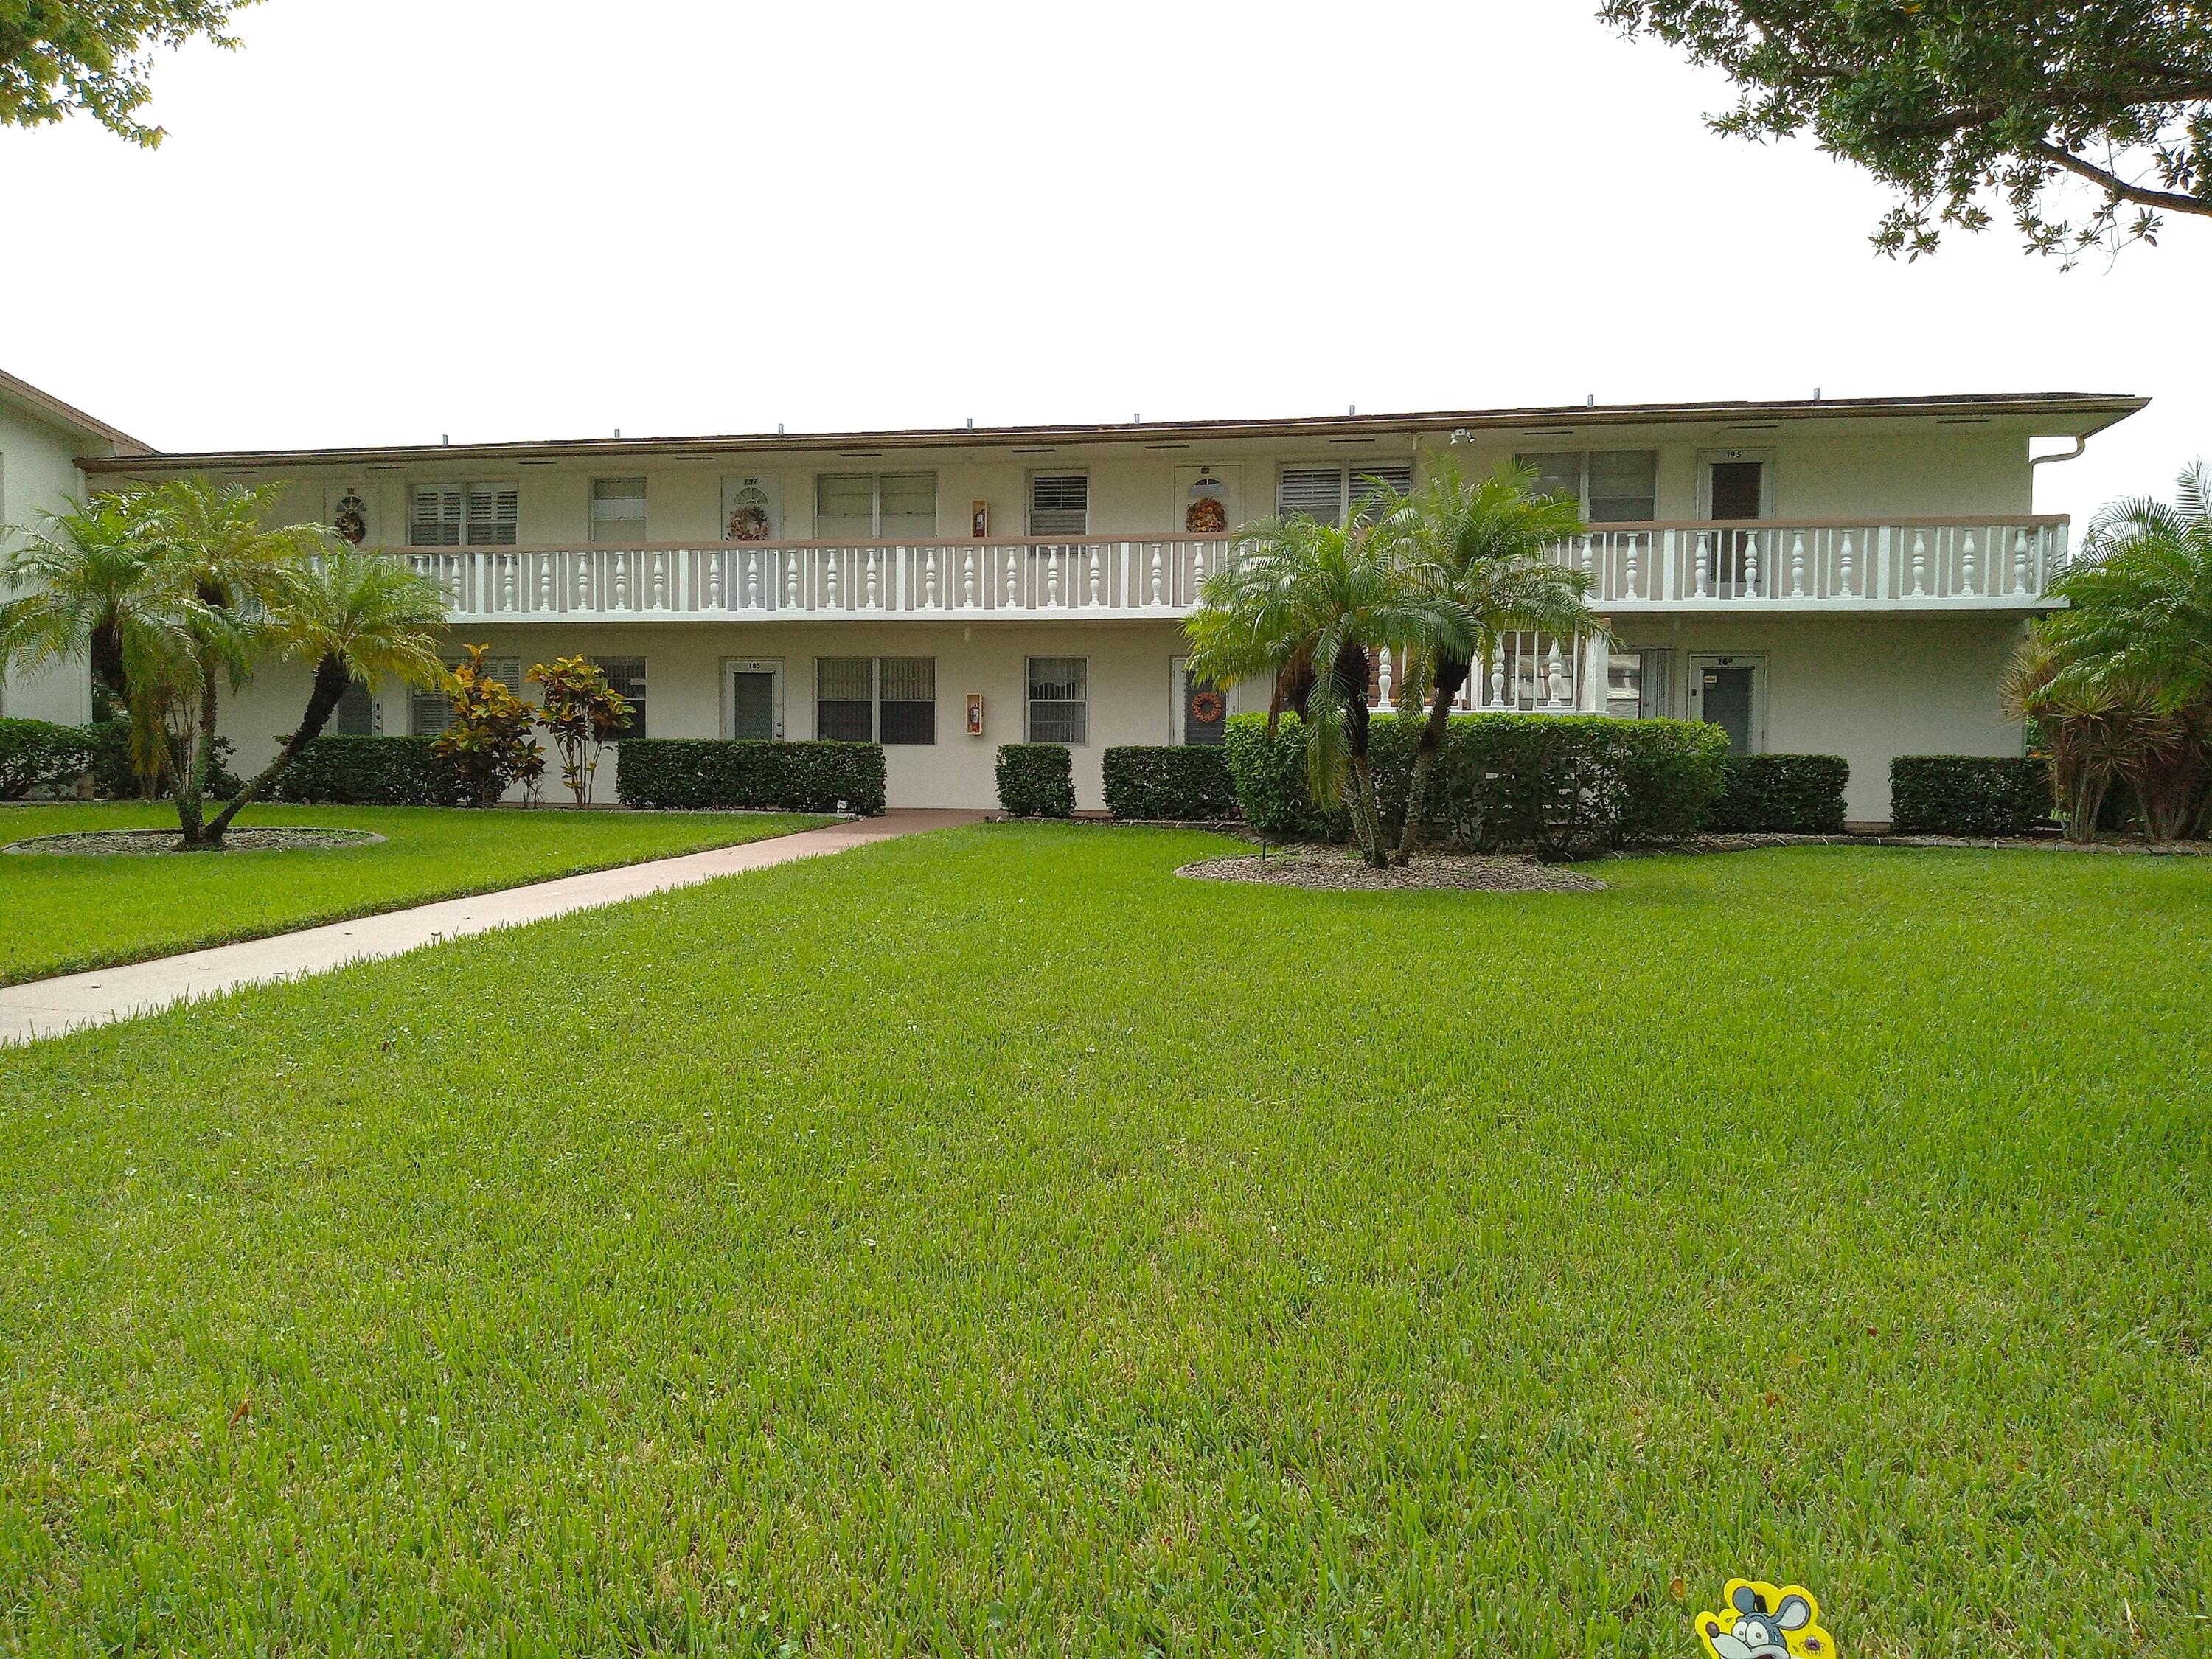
1206, 707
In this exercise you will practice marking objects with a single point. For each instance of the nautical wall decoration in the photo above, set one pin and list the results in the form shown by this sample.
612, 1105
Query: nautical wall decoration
752, 509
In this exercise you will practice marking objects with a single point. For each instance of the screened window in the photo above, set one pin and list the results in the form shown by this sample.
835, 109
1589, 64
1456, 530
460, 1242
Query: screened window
1059, 504
1608, 486
356, 712
626, 676
463, 515
871, 507
1059, 706
433, 714
1330, 493
876, 699
618, 510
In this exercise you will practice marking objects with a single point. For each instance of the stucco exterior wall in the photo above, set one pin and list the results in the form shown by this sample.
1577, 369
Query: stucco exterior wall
38, 476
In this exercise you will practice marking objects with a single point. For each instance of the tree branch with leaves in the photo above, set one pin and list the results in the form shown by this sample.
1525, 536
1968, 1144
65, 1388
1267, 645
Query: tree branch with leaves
93, 57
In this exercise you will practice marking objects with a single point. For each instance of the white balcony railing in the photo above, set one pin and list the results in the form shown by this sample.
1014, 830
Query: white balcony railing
1936, 564
1913, 563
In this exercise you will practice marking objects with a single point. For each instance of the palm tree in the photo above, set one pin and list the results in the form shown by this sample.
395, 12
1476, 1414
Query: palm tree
1304, 602
355, 617
1482, 546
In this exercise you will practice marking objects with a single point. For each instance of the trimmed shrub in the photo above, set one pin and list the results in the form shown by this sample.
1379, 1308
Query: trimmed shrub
1562, 784
1036, 780
1968, 794
41, 754
1179, 781
1783, 794
337, 771
756, 775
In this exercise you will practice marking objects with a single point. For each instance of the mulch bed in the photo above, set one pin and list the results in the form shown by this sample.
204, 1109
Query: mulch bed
1334, 872
104, 843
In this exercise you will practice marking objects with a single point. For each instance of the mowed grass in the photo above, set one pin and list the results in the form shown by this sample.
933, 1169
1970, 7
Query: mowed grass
987, 1243
61, 913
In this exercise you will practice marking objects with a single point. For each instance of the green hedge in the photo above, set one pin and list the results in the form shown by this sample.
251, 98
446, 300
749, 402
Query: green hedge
1968, 794
373, 772
1179, 781
40, 755
1783, 794
751, 773
1560, 783
1035, 780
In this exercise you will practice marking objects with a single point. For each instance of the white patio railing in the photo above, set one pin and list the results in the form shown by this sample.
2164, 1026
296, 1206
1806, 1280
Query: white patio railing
1827, 565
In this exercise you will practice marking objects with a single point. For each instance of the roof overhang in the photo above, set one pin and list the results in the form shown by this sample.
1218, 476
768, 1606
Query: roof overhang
2043, 415
22, 396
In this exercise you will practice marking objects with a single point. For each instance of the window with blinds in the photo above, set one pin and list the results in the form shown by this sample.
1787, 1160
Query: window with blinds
432, 715
1608, 486
889, 700
1059, 700
871, 507
626, 676
1059, 504
463, 515
1330, 493
618, 510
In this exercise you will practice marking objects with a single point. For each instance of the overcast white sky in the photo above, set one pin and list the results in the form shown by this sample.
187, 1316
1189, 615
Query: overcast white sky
385, 220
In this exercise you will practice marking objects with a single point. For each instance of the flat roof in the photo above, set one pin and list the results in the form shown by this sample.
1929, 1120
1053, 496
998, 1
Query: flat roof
2062, 414
43, 405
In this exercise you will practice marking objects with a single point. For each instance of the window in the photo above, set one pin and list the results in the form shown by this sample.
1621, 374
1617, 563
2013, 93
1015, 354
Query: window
875, 506
433, 714
1329, 493
876, 699
1608, 486
463, 515
626, 676
1059, 709
1637, 684
618, 510
1059, 504
356, 711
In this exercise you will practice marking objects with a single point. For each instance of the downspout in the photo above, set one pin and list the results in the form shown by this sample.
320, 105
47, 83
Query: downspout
2080, 443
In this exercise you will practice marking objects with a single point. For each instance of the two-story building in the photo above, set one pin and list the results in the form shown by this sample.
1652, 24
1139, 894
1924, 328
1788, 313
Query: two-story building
1846, 576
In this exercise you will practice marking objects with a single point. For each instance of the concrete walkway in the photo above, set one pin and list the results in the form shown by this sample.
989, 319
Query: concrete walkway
48, 1006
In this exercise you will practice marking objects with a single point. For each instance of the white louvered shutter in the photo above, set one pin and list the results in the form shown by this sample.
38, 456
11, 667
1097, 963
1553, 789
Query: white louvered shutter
494, 512
1059, 504
1317, 491
433, 516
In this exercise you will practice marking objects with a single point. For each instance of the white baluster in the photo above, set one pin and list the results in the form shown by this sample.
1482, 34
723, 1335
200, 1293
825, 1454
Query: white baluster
1634, 542
585, 598
967, 577
1497, 677
1797, 566
1844, 567
660, 581
2019, 562
1749, 587
752, 579
830, 577
871, 600
791, 579
1589, 555
1013, 596
1705, 561
1383, 678
1095, 573
1966, 562
1052, 576
1919, 562
506, 561
622, 581
544, 581
929, 581
1156, 573
714, 579
1197, 570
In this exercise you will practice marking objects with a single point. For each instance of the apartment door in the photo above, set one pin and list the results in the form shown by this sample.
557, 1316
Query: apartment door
753, 700
1737, 486
1199, 713
1728, 692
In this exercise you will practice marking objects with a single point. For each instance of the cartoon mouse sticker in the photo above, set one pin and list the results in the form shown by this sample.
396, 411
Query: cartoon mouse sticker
1765, 1621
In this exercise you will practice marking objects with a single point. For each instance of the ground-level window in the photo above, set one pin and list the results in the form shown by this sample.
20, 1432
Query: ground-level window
433, 713
869, 506
618, 510
1329, 493
626, 676
1638, 683
1608, 486
1059, 700
876, 699
356, 711
464, 515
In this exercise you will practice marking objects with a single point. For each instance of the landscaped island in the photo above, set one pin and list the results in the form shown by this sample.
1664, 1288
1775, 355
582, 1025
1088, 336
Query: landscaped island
989, 1242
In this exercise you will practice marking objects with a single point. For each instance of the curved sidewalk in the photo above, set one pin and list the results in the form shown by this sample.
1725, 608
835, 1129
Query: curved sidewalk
47, 1008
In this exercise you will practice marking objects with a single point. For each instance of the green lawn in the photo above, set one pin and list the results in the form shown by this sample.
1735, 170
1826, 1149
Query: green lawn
59, 913
985, 1242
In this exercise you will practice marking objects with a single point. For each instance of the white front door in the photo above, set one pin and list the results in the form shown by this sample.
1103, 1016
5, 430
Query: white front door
752, 698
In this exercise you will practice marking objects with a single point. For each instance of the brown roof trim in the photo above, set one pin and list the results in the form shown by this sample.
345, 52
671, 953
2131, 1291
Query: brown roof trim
45, 404
2103, 408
